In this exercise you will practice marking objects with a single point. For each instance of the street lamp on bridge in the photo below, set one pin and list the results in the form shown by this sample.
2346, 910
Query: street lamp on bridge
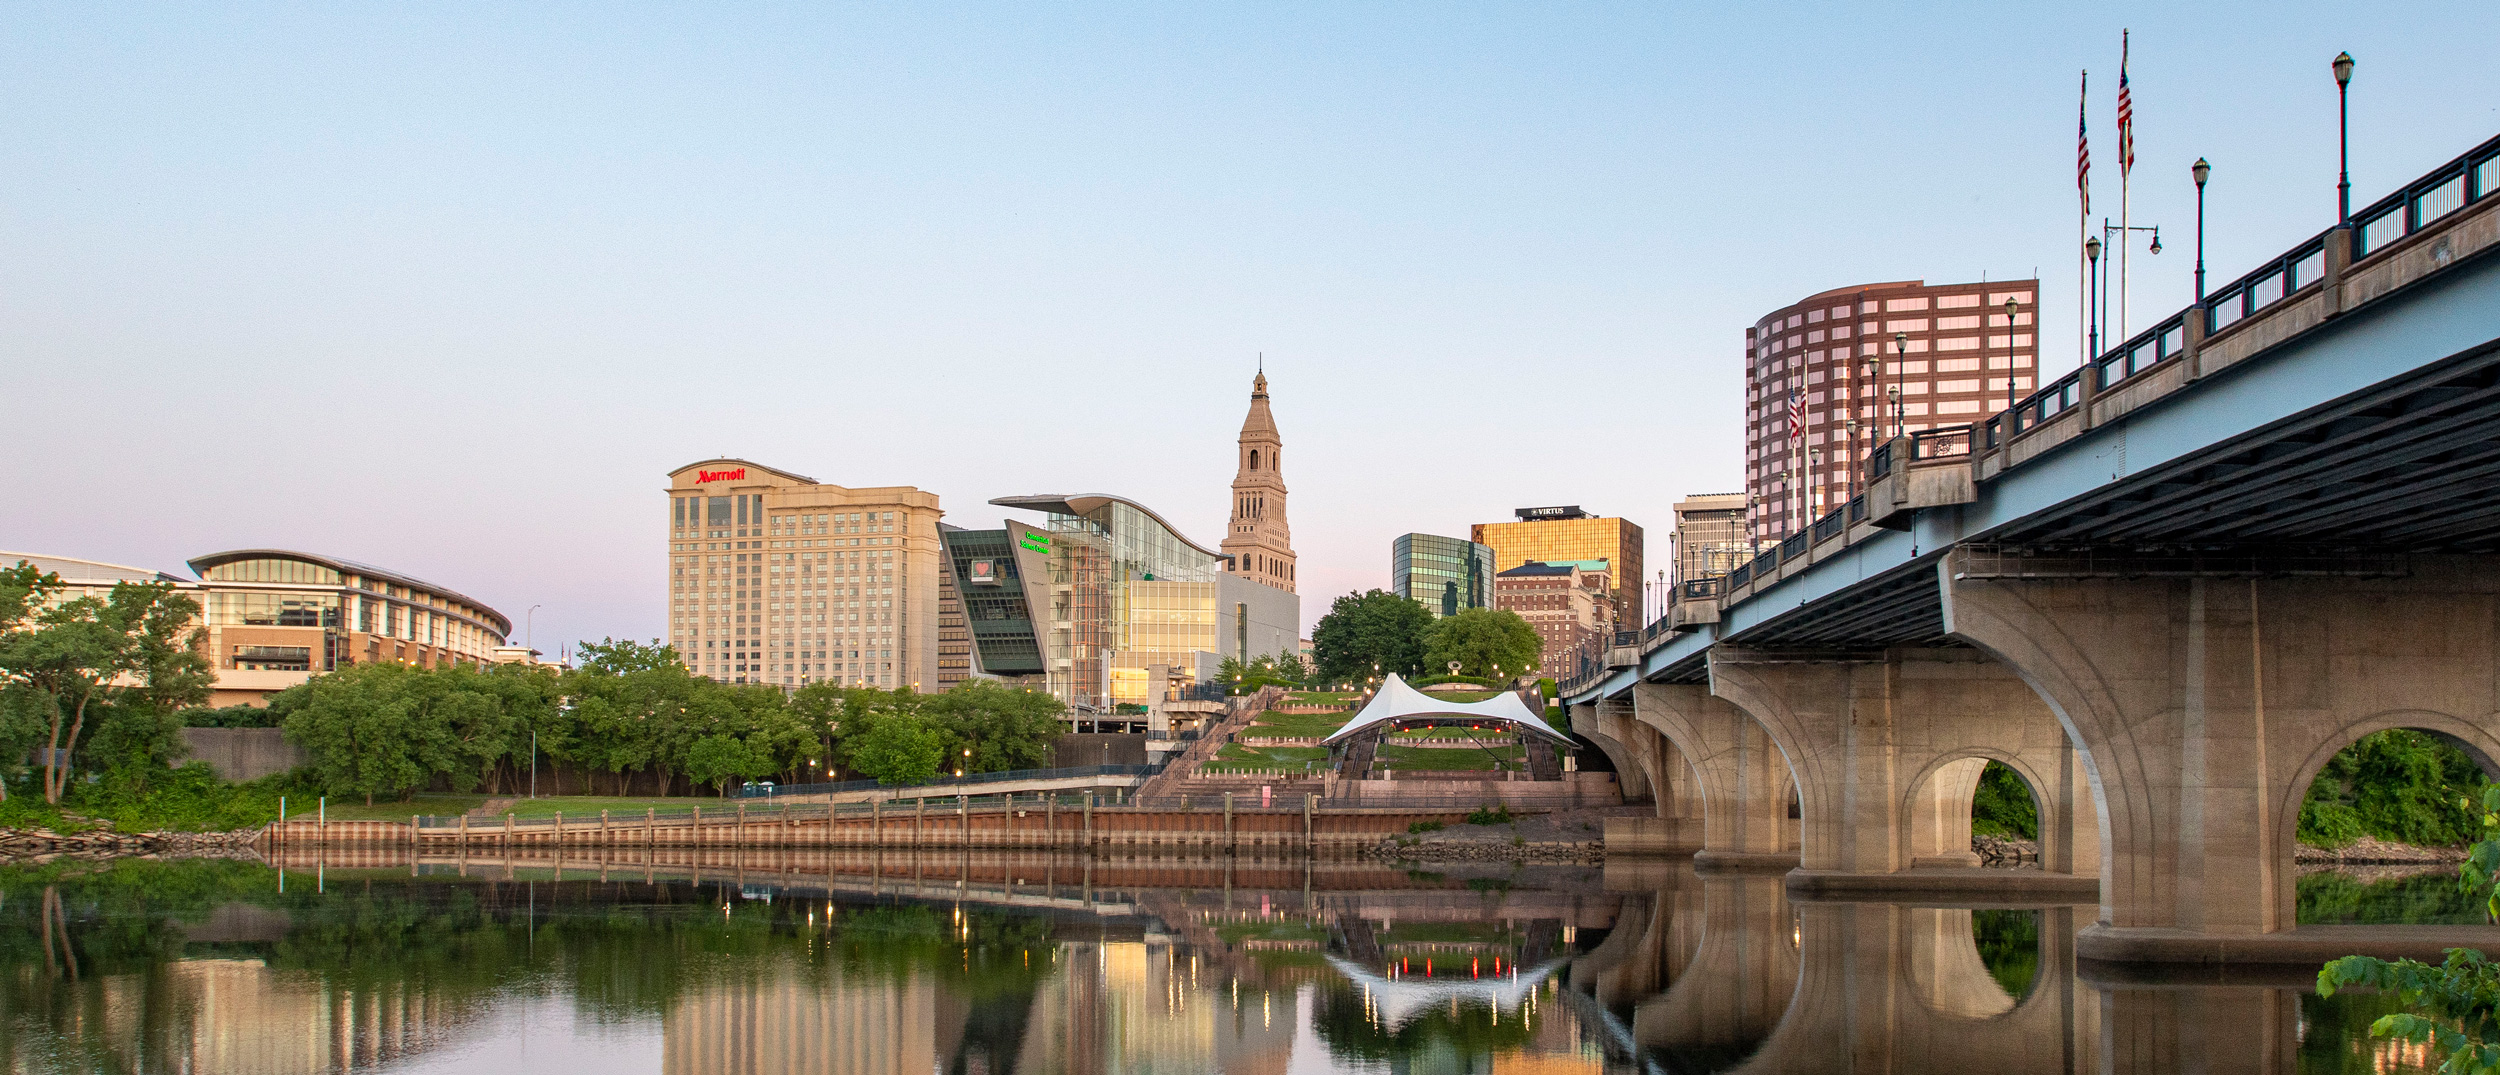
2200, 170
2343, 145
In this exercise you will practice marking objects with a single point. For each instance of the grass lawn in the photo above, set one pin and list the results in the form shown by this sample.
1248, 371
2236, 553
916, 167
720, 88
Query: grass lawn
1296, 724
1319, 697
1461, 696
353, 808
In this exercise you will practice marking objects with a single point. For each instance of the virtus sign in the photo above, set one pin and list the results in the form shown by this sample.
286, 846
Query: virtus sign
737, 475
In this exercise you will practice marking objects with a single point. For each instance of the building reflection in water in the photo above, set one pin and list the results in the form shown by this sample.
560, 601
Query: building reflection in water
998, 964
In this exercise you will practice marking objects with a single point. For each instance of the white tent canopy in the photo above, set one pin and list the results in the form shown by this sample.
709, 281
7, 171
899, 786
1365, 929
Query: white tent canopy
1397, 701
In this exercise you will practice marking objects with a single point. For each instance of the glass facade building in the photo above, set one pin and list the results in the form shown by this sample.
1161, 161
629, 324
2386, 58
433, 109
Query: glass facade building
1444, 574
1090, 600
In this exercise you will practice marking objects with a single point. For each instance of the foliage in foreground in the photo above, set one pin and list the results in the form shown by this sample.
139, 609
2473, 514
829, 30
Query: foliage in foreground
2454, 1006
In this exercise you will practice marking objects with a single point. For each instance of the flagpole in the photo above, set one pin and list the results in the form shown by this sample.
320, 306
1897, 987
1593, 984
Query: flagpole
2083, 222
2126, 167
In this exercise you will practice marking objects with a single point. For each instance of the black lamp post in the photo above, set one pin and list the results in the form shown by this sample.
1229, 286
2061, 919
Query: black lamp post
2343, 145
2009, 367
1900, 358
2092, 250
2200, 170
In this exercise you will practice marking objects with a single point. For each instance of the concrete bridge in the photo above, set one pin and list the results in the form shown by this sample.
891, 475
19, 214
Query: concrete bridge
2165, 589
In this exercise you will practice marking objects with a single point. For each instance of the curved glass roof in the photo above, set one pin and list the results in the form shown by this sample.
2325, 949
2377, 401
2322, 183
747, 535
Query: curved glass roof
200, 565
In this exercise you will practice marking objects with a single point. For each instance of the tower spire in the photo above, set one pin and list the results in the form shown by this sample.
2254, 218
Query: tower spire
1258, 539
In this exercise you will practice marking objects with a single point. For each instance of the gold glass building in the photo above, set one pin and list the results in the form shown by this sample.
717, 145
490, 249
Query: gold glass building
1568, 534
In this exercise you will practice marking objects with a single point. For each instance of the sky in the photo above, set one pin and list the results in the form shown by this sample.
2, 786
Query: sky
452, 288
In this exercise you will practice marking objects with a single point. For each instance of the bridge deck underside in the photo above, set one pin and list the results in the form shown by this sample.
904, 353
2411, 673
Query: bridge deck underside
2412, 466
2409, 466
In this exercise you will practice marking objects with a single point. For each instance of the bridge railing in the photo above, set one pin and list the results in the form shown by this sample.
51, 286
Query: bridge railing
2444, 191
1940, 443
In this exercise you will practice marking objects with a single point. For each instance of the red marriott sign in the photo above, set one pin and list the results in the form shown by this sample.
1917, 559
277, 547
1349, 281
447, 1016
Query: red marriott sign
737, 475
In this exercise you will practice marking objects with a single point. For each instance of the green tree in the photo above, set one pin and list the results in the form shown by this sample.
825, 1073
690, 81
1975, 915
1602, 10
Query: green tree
1004, 727
2456, 1004
626, 696
2399, 785
136, 648
381, 729
1481, 640
361, 729
1366, 630
899, 749
719, 760
848, 714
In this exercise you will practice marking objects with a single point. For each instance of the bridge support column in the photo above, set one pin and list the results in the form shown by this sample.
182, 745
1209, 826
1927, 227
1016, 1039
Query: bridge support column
1888, 748
1647, 766
1742, 781
2205, 706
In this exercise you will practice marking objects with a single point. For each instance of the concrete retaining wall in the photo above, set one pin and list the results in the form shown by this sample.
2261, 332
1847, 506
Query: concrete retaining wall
240, 754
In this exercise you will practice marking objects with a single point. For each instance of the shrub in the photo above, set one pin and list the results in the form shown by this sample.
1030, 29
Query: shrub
1489, 815
1424, 826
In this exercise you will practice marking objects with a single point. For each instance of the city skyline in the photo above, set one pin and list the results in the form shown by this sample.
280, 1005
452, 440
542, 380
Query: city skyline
452, 315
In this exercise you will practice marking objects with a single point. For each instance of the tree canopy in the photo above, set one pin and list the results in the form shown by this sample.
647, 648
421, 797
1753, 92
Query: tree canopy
99, 677
1366, 630
1481, 640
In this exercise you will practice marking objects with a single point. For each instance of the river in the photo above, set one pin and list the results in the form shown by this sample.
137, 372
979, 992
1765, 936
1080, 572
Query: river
951, 963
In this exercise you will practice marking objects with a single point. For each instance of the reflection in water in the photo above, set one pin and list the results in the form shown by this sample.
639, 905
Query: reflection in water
1009, 963
2008, 939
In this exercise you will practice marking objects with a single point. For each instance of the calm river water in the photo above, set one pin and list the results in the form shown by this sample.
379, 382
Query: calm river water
947, 963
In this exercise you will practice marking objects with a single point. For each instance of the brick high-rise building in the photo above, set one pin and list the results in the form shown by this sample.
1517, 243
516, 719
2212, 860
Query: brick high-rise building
1842, 355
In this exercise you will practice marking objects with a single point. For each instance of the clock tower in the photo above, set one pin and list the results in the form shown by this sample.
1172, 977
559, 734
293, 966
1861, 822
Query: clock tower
1258, 540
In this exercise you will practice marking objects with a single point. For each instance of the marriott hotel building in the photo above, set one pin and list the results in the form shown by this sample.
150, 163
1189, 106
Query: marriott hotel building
775, 577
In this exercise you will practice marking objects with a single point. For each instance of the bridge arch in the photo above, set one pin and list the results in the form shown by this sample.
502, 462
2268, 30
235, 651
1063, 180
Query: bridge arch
1940, 800
2471, 736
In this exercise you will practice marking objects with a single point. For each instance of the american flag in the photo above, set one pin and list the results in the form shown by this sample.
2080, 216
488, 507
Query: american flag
2126, 113
1796, 415
2083, 150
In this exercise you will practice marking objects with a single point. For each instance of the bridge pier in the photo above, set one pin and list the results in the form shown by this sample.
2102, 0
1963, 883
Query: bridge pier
1743, 783
1887, 749
2205, 706
1742, 972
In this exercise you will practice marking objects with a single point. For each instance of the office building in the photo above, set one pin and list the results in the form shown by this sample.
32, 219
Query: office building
1857, 363
1570, 535
1710, 536
275, 618
778, 578
1088, 604
1444, 574
1571, 605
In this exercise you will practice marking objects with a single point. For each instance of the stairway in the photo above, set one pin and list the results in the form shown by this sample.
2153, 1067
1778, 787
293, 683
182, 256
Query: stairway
1181, 776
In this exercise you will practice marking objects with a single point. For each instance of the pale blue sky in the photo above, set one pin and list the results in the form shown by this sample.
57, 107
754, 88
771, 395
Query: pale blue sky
451, 287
